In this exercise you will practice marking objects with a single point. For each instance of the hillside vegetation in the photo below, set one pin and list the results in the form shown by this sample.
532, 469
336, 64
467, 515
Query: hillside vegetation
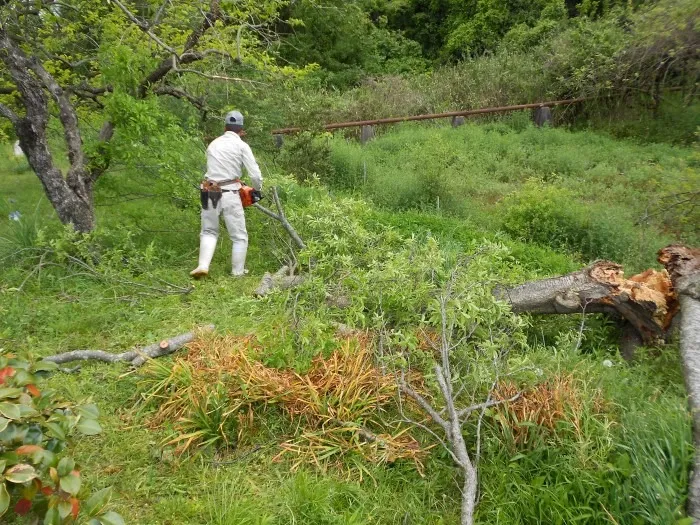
322, 403
531, 202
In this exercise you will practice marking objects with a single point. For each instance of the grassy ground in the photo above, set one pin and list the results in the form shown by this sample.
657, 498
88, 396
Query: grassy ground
622, 461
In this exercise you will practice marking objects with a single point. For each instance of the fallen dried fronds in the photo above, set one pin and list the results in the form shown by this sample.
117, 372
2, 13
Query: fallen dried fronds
215, 393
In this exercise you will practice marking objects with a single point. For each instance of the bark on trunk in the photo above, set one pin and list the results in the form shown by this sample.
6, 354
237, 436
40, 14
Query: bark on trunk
683, 264
72, 207
70, 196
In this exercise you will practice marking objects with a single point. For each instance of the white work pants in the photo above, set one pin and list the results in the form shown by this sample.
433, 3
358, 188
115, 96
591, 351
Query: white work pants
231, 208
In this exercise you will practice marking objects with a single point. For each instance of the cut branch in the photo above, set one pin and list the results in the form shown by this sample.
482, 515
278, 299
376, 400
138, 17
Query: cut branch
136, 357
282, 218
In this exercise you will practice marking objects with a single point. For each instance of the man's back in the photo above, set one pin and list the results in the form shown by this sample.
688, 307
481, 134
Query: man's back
226, 156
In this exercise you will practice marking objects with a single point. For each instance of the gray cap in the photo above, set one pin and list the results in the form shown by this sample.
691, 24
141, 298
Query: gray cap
234, 118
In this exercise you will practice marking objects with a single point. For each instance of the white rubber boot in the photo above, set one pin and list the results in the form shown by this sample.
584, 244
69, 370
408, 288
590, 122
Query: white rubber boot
238, 255
207, 246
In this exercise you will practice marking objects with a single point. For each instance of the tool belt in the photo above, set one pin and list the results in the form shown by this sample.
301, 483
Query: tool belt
212, 191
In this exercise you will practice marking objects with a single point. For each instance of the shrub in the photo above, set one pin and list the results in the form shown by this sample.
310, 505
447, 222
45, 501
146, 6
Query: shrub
308, 156
36, 426
552, 217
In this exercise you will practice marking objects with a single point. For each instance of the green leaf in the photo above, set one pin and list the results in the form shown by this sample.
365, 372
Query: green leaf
65, 466
89, 411
3, 464
64, 509
89, 427
26, 411
23, 378
45, 366
4, 499
111, 518
52, 517
56, 430
6, 393
70, 483
21, 473
3, 423
98, 501
9, 410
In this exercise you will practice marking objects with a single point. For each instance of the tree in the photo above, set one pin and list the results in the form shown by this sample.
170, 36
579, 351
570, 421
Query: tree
89, 61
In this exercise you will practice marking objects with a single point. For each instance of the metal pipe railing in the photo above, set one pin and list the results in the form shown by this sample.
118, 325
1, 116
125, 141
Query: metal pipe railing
430, 116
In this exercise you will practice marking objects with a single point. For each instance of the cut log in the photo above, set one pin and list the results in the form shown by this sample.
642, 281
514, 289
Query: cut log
646, 301
683, 265
136, 357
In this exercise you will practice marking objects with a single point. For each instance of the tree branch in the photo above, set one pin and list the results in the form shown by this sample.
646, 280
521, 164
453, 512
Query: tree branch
218, 77
281, 217
145, 28
488, 404
136, 357
71, 129
171, 62
159, 14
181, 94
427, 407
6, 112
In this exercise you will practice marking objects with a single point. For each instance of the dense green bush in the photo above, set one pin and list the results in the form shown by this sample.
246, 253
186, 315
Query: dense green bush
36, 426
553, 217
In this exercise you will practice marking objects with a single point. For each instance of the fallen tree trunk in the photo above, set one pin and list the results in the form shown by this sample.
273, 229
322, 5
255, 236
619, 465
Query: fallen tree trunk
683, 265
136, 357
646, 300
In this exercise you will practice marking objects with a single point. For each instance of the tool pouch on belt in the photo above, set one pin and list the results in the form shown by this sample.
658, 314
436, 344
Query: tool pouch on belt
209, 191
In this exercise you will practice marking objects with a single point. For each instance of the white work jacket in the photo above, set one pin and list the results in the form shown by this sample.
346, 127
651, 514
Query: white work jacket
226, 156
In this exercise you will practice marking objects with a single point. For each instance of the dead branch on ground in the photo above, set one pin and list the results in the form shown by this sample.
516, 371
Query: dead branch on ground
285, 277
282, 279
136, 357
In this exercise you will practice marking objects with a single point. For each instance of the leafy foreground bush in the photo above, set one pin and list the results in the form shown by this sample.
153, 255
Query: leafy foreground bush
35, 429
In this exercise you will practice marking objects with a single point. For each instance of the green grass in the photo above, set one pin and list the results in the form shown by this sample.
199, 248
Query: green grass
585, 193
629, 463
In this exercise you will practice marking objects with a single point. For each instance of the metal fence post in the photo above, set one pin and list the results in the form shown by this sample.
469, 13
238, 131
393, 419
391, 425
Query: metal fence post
366, 134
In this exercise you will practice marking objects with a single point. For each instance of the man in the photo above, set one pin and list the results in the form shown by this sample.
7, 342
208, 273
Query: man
226, 156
